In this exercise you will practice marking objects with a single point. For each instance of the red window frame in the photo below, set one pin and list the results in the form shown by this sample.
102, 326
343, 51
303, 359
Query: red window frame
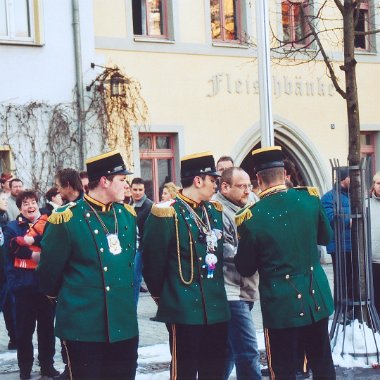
217, 8
368, 150
154, 154
289, 14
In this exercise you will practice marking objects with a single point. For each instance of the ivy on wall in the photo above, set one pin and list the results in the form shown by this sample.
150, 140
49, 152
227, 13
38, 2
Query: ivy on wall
45, 138
116, 115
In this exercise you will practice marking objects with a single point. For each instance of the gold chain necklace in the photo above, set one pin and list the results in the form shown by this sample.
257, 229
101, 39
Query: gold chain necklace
203, 227
112, 238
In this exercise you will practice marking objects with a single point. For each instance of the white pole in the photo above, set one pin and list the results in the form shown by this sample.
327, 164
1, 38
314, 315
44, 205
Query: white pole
265, 86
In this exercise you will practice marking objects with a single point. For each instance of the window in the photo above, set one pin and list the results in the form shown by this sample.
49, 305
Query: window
5, 159
361, 21
226, 24
156, 162
295, 26
19, 21
368, 149
150, 18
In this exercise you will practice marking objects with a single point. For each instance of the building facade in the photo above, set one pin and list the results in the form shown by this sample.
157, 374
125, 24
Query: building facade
197, 65
196, 62
46, 49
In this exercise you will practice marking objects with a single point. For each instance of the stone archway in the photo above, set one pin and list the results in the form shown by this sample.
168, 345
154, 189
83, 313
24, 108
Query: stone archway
313, 169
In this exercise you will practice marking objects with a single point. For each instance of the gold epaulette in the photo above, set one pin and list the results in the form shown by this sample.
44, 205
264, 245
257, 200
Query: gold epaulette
62, 214
130, 209
243, 215
311, 190
163, 211
218, 206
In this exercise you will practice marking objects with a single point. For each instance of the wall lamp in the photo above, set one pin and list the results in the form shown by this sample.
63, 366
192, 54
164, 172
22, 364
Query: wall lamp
110, 76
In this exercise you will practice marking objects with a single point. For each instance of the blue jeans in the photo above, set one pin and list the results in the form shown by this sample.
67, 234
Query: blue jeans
137, 280
242, 349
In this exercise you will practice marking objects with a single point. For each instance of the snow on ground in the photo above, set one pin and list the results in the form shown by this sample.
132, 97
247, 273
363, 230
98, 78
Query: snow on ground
355, 345
358, 339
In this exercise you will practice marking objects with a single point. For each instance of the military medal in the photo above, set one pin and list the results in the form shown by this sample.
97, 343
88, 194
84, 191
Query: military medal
114, 244
212, 238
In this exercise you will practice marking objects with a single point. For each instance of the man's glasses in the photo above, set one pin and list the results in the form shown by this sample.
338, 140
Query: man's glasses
243, 187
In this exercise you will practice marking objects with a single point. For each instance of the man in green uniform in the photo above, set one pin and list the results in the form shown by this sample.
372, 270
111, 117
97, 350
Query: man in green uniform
279, 237
88, 250
183, 269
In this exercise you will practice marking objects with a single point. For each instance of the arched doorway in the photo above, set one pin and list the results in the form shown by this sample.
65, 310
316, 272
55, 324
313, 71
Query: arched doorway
247, 163
313, 170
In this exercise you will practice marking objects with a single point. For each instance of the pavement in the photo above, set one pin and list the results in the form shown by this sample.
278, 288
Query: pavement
153, 334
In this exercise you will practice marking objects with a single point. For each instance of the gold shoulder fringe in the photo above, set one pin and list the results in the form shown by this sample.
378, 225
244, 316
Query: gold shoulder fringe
163, 212
218, 206
58, 217
130, 209
243, 216
311, 190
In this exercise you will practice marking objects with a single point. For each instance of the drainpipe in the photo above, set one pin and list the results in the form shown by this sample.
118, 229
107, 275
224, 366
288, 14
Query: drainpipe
79, 81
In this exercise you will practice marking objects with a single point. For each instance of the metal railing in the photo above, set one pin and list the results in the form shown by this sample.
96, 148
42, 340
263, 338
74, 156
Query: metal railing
354, 294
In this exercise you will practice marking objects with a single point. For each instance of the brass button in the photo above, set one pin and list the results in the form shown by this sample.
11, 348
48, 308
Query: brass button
313, 291
105, 269
126, 227
108, 288
318, 308
96, 232
101, 250
287, 277
302, 314
311, 268
200, 259
299, 296
88, 215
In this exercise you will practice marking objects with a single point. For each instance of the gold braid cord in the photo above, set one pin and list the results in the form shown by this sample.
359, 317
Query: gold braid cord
179, 255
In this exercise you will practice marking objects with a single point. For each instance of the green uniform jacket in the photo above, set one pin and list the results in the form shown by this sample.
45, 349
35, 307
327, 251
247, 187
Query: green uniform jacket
279, 237
94, 287
203, 301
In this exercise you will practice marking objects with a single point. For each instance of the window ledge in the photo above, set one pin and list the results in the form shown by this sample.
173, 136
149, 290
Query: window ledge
230, 45
152, 39
20, 43
365, 52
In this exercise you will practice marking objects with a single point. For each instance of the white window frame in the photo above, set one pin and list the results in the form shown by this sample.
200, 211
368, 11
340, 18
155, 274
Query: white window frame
34, 24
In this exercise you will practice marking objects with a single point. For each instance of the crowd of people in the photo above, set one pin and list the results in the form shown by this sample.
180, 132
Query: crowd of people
73, 268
